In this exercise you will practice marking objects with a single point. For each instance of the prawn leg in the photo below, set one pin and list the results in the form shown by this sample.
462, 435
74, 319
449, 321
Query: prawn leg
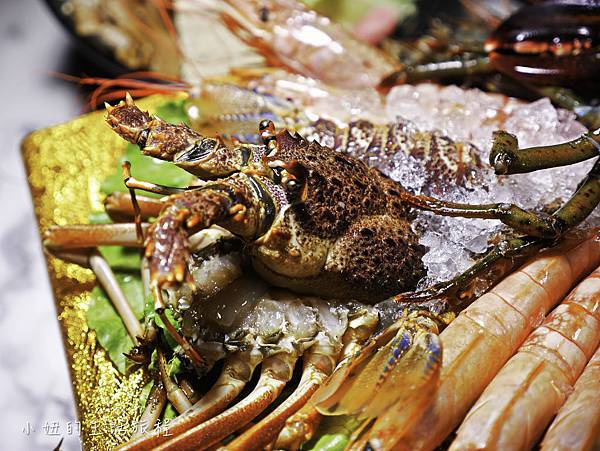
418, 373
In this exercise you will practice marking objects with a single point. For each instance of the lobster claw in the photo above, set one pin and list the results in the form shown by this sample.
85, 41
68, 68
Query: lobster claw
398, 367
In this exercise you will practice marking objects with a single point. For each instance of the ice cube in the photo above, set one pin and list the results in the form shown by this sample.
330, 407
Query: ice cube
473, 115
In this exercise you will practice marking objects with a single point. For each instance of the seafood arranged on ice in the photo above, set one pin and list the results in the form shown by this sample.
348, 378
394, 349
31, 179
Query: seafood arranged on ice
365, 235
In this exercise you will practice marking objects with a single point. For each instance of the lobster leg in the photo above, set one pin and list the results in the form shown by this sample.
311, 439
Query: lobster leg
301, 426
60, 238
276, 372
577, 208
437, 70
175, 394
507, 158
106, 277
319, 362
157, 399
236, 373
119, 206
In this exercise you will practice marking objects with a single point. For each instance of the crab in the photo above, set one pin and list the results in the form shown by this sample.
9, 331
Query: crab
318, 223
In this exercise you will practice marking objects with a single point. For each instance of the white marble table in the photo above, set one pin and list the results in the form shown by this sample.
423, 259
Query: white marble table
36, 402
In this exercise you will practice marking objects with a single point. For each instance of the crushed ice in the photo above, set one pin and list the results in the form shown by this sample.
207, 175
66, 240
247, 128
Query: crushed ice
472, 115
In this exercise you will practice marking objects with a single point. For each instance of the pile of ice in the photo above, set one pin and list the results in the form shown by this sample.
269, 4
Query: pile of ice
472, 115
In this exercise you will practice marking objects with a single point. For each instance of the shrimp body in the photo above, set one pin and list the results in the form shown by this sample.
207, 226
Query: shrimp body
517, 406
289, 34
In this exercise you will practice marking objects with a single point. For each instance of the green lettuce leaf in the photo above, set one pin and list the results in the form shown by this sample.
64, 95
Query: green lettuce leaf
99, 217
333, 434
120, 258
144, 395
173, 112
145, 168
150, 315
169, 413
104, 319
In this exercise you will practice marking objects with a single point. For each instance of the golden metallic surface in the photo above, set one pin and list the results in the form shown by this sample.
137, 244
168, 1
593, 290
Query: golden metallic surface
66, 165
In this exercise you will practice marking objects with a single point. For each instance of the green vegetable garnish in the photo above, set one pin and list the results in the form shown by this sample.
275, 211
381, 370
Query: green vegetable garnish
150, 315
99, 217
104, 319
173, 112
146, 168
144, 395
169, 413
333, 434
121, 258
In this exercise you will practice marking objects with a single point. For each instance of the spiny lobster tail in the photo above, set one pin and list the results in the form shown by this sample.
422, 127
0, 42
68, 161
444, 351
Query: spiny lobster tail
127, 120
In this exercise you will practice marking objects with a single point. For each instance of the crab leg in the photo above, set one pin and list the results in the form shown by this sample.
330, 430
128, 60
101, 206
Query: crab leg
189, 391
175, 394
108, 281
189, 350
134, 184
581, 204
524, 221
176, 143
479, 278
507, 158
319, 362
236, 373
299, 428
276, 372
502, 258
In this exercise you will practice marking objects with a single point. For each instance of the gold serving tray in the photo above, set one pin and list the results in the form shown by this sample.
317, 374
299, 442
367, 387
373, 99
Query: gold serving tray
66, 165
